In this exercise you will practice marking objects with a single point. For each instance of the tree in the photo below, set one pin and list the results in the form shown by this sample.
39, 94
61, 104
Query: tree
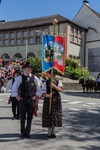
36, 64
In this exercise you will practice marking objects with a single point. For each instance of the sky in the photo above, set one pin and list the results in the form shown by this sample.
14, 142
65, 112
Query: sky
12, 10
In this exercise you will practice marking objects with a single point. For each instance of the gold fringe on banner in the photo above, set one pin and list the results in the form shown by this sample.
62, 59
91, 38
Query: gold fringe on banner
54, 69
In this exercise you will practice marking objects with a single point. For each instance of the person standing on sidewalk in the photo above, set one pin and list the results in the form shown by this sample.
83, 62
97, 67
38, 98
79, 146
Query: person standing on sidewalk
14, 101
52, 119
27, 89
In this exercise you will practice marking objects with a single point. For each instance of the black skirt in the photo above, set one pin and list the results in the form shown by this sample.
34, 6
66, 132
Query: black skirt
54, 118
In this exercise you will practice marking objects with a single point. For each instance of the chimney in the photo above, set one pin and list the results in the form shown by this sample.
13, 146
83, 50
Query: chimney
86, 2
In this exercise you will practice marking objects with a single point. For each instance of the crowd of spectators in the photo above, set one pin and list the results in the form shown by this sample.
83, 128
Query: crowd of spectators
7, 72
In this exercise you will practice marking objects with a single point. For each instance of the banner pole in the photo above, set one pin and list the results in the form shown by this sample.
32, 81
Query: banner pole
55, 21
51, 91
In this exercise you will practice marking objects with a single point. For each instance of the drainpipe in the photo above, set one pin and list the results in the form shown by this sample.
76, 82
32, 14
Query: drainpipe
58, 28
85, 49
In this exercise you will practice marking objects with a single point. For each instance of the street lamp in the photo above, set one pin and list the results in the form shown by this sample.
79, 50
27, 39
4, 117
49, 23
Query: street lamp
26, 48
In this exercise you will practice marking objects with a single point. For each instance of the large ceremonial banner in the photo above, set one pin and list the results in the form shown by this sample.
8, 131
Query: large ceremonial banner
53, 53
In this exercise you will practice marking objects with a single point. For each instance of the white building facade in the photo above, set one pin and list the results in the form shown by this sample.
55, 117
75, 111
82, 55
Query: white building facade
90, 20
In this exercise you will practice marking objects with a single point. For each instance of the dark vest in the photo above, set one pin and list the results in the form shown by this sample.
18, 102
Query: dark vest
27, 88
48, 86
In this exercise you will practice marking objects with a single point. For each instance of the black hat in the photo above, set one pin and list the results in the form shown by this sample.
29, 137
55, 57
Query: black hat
27, 64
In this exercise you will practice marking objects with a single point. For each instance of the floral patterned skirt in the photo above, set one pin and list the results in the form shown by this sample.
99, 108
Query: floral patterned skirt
54, 118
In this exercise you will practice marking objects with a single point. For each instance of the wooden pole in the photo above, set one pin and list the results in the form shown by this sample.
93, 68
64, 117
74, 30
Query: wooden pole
50, 103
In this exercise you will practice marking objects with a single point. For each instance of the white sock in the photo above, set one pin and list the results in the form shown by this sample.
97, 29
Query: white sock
53, 130
49, 131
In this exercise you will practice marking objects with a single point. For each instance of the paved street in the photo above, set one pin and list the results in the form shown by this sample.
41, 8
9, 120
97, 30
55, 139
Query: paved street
80, 130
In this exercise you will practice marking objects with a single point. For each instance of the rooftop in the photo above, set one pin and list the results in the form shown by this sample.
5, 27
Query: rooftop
33, 22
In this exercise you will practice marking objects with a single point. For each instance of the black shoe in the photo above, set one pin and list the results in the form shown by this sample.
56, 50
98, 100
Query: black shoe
13, 118
22, 136
17, 118
53, 135
49, 136
28, 136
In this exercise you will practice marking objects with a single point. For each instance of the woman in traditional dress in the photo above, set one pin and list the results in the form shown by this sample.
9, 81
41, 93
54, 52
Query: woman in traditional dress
52, 118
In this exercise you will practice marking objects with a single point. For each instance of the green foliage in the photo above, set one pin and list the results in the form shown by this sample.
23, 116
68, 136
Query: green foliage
92, 78
36, 64
74, 70
73, 63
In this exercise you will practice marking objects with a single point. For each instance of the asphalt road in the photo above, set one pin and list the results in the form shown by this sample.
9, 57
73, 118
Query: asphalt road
80, 130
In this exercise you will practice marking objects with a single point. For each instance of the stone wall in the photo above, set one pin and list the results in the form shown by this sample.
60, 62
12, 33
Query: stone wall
72, 86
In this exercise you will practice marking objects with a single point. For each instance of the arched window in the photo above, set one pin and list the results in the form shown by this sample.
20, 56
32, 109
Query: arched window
17, 56
5, 56
30, 55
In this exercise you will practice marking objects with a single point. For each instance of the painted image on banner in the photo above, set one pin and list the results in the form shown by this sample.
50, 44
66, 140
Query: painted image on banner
53, 51
49, 52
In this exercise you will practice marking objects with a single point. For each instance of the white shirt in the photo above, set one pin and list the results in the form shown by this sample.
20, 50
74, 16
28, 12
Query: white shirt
9, 86
44, 87
18, 81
